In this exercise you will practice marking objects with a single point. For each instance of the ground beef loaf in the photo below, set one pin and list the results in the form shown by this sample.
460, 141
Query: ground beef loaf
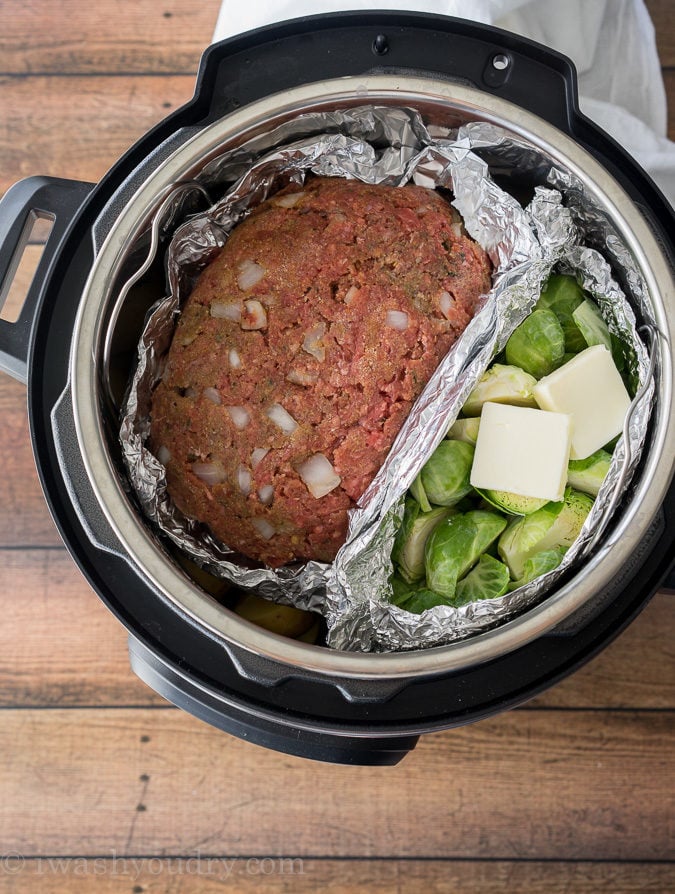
299, 354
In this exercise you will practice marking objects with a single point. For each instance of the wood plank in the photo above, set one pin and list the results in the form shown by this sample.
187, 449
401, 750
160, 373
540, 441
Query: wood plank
288, 875
669, 81
661, 13
79, 127
528, 785
149, 36
108, 36
24, 517
87, 663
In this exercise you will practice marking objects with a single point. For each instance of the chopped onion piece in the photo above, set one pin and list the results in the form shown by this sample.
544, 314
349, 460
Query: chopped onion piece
234, 358
301, 377
265, 493
457, 230
290, 199
258, 455
209, 473
264, 528
312, 341
249, 275
352, 292
244, 480
226, 310
213, 395
282, 418
397, 319
187, 339
446, 303
319, 475
240, 416
164, 455
254, 316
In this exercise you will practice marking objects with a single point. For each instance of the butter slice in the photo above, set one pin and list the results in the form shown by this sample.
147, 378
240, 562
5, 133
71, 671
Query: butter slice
590, 389
523, 451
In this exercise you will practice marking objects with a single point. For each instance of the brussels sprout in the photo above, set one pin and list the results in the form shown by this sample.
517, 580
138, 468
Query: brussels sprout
420, 600
512, 504
504, 385
538, 344
486, 580
538, 564
418, 492
456, 544
563, 295
591, 325
465, 430
408, 551
588, 474
400, 590
445, 476
554, 525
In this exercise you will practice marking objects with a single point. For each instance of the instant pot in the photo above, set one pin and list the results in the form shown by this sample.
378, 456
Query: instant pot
102, 268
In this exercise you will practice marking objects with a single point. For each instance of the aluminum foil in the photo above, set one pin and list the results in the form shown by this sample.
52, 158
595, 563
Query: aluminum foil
393, 146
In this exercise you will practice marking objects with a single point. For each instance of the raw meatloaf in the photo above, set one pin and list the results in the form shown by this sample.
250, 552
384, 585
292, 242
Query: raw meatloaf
298, 356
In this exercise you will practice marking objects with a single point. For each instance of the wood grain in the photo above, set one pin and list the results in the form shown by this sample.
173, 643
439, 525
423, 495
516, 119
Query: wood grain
663, 17
48, 659
108, 36
78, 127
24, 517
578, 785
288, 875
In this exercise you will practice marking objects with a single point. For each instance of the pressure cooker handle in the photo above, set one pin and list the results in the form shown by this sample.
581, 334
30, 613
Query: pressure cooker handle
26, 202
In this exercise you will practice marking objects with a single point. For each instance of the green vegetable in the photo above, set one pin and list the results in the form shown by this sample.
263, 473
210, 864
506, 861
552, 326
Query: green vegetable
512, 504
418, 492
562, 295
501, 384
401, 590
591, 325
538, 564
408, 551
445, 476
486, 580
554, 525
538, 344
420, 600
456, 545
588, 474
465, 430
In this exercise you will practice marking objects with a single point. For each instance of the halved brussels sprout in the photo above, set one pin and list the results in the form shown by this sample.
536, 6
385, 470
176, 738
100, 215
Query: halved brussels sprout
591, 325
456, 545
538, 564
488, 579
465, 430
408, 551
588, 474
420, 600
445, 476
501, 384
538, 344
554, 525
562, 295
513, 504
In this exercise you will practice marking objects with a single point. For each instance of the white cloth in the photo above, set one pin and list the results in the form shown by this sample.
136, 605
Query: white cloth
611, 42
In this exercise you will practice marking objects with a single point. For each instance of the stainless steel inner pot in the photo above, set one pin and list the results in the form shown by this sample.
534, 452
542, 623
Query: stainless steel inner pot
439, 102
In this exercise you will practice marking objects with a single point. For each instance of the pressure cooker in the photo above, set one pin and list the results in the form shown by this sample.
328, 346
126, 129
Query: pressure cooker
298, 698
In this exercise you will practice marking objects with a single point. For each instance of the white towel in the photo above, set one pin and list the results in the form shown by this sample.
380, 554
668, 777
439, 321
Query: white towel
611, 42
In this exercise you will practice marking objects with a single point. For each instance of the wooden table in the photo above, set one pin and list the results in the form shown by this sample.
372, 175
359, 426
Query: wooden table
105, 787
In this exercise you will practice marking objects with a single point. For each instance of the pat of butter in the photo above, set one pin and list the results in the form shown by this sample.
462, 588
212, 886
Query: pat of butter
522, 450
590, 389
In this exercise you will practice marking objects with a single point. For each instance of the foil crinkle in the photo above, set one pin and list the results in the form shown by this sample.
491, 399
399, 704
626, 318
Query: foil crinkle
560, 228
